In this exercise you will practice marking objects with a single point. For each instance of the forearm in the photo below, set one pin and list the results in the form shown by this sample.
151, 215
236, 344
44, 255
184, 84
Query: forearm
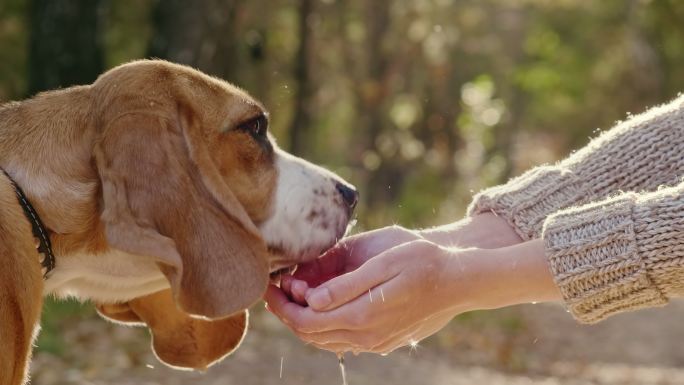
619, 254
484, 231
502, 277
639, 154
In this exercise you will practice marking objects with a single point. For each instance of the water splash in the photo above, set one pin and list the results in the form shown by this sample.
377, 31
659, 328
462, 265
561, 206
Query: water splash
340, 358
350, 226
413, 346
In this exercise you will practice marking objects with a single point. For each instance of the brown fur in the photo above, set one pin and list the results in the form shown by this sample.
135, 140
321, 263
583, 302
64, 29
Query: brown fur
20, 287
178, 339
85, 156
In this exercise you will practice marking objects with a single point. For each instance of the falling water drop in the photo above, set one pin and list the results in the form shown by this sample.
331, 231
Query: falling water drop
340, 358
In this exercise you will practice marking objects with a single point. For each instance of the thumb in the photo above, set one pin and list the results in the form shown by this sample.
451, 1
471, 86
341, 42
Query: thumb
347, 287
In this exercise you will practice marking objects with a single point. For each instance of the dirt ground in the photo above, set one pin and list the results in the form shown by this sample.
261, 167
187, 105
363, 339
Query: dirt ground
534, 344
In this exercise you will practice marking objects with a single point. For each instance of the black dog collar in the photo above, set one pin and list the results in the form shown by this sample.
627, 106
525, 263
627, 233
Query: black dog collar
44, 246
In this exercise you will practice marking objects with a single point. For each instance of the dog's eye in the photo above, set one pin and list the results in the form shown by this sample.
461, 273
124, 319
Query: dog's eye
256, 127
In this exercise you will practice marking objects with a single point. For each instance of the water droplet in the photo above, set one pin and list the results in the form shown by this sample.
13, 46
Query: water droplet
340, 358
281, 366
413, 346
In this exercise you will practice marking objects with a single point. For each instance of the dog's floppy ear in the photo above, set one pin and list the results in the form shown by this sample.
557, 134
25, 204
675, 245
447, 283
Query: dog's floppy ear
179, 340
163, 198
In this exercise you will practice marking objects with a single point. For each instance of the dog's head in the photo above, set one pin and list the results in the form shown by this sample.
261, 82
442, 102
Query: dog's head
192, 178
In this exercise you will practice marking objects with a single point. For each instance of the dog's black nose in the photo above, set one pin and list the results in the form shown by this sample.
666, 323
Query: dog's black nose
349, 195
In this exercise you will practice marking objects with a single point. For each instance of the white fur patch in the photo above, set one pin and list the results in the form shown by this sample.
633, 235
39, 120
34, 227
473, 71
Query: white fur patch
309, 214
114, 276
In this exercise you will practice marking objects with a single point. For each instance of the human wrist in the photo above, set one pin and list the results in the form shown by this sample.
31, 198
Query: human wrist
525, 201
525, 272
484, 231
496, 278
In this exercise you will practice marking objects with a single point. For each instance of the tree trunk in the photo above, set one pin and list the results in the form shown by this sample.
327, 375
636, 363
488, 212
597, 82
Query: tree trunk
65, 43
201, 34
514, 56
301, 123
383, 184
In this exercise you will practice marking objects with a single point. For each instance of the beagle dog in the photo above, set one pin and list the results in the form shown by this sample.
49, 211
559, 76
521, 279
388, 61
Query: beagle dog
157, 193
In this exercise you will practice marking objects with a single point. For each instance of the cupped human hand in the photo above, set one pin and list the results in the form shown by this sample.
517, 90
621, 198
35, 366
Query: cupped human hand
393, 299
346, 256
408, 292
484, 231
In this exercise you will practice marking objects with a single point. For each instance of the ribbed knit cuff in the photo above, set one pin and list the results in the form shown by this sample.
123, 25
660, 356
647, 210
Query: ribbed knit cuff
594, 254
526, 201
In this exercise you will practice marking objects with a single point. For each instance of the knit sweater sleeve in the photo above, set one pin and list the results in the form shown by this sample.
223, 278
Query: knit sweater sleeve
639, 154
623, 253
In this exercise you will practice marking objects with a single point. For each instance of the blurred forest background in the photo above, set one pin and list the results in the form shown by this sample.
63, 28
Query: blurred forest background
419, 103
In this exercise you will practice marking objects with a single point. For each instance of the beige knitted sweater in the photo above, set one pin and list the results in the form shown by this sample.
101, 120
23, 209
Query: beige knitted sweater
611, 215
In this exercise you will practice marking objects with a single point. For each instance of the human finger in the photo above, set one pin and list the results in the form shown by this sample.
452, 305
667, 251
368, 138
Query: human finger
345, 288
300, 318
